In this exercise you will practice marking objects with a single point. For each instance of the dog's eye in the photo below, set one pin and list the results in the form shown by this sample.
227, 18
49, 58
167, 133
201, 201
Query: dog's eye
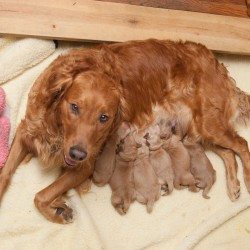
74, 108
103, 118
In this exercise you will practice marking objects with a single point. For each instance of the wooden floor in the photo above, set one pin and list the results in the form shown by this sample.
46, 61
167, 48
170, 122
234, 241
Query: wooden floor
236, 8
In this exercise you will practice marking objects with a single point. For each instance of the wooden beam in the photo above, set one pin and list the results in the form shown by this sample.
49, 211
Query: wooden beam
219, 7
103, 21
248, 7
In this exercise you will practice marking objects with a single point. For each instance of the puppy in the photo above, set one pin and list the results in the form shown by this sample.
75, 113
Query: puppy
201, 167
178, 154
147, 186
121, 182
160, 159
105, 162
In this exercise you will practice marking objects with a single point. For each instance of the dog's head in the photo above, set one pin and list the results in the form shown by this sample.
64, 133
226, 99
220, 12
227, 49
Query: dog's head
88, 112
79, 97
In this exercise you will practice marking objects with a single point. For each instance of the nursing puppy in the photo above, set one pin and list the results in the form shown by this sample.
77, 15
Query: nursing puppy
147, 185
201, 167
179, 156
160, 159
122, 180
105, 162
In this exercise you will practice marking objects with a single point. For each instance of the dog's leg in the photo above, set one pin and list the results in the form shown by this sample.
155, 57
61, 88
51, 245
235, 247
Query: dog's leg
17, 154
49, 201
233, 184
231, 140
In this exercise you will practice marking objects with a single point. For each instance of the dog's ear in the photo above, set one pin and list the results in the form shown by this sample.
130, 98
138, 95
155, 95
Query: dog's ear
107, 61
58, 86
50, 87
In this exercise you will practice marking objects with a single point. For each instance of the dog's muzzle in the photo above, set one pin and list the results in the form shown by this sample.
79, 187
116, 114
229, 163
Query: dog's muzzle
76, 154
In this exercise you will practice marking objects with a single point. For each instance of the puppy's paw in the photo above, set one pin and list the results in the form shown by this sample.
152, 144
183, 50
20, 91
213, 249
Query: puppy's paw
165, 190
121, 204
120, 209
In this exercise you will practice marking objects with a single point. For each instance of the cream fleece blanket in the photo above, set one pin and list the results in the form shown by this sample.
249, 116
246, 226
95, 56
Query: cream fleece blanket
183, 220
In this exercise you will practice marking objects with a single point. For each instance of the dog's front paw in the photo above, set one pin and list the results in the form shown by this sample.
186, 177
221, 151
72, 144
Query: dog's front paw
56, 211
66, 212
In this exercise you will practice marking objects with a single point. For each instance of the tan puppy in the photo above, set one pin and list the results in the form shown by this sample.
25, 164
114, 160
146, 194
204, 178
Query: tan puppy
105, 162
178, 154
201, 167
147, 186
160, 159
121, 182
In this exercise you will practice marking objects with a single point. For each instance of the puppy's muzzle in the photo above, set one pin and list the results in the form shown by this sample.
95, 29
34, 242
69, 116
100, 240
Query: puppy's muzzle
77, 153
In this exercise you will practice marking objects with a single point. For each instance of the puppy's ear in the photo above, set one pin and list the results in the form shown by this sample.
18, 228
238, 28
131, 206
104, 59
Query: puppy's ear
146, 136
173, 126
119, 148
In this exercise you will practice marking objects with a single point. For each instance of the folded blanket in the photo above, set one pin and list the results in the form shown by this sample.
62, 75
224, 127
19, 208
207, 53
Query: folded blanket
182, 220
17, 55
5, 41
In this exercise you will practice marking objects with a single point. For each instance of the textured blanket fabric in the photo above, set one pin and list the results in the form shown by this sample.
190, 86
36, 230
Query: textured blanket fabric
29, 52
183, 220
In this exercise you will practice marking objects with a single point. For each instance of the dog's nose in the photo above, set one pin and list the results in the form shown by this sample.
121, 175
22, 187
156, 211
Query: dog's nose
77, 153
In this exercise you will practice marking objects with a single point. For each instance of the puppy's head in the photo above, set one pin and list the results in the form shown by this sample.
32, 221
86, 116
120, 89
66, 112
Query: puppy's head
167, 128
88, 112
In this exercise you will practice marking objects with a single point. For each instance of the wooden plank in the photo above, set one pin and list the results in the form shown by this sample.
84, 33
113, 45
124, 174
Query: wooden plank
248, 7
102, 21
220, 7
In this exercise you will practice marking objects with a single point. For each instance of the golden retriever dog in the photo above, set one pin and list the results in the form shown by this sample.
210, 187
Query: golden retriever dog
160, 159
122, 180
81, 98
201, 167
147, 185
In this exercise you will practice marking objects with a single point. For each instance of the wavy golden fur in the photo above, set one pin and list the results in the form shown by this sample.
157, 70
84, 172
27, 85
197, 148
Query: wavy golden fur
83, 96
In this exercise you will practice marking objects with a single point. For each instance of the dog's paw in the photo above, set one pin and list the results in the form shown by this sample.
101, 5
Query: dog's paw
56, 211
165, 190
233, 190
120, 209
121, 204
66, 213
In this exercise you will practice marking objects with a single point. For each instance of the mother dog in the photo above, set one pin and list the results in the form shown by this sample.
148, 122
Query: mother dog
83, 96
